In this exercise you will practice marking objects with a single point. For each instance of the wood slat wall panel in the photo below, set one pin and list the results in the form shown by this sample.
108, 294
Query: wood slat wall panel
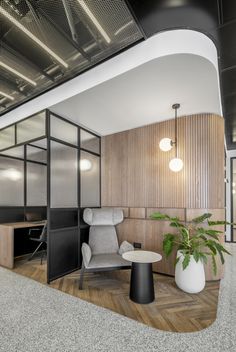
137, 213
135, 172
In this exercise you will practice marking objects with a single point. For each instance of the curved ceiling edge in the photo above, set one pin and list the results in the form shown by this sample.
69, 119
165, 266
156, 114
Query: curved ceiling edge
162, 44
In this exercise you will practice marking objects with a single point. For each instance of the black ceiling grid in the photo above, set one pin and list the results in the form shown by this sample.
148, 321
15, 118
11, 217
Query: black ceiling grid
44, 43
83, 33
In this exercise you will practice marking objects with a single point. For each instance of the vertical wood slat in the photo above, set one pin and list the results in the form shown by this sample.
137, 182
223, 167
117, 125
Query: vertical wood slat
136, 172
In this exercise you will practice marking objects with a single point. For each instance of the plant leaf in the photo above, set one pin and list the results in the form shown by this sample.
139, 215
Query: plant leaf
203, 257
213, 223
186, 260
221, 255
196, 256
203, 237
168, 243
212, 233
201, 218
222, 248
177, 260
211, 245
214, 264
176, 223
185, 233
159, 216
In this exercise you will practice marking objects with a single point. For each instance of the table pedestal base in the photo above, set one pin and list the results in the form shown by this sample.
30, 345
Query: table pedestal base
141, 286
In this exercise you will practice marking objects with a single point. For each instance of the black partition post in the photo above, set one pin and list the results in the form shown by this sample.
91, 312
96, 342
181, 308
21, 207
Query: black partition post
71, 187
63, 197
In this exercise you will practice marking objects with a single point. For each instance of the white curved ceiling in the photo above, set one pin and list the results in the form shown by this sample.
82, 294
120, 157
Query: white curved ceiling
145, 95
138, 86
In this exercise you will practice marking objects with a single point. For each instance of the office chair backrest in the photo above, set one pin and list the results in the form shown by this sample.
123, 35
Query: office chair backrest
102, 233
43, 236
30, 216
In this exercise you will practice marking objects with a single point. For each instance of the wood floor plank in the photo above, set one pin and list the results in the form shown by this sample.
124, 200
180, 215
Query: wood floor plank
172, 310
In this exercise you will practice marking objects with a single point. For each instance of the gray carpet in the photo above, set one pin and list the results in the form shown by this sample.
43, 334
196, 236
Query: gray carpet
34, 317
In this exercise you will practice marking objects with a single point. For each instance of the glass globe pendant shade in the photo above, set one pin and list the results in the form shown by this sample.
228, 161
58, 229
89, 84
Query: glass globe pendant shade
85, 165
165, 144
176, 164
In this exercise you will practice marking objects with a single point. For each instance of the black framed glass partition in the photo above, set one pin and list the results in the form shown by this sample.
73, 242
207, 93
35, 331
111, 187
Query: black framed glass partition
51, 165
63, 199
11, 181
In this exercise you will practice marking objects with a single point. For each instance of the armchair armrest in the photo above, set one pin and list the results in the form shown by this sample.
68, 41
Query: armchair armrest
86, 253
125, 247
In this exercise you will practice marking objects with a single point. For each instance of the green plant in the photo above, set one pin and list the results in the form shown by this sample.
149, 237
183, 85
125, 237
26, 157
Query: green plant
193, 238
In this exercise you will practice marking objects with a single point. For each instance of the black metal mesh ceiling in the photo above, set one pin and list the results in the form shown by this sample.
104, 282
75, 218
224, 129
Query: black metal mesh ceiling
44, 42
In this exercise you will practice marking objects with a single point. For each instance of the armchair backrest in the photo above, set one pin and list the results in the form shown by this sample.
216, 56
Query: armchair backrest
102, 233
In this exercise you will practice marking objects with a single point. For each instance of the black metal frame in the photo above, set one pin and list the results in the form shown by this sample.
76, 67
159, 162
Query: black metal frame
79, 149
25, 159
62, 81
231, 200
15, 124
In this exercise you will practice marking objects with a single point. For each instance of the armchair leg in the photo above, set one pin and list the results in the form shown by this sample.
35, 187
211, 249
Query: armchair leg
81, 276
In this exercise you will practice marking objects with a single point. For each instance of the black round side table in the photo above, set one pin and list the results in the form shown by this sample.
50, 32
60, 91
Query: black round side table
141, 284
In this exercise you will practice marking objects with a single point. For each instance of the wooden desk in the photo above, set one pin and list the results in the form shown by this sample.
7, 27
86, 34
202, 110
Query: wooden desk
7, 240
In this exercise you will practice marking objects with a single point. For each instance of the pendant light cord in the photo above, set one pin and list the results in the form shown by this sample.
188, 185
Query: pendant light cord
176, 151
176, 106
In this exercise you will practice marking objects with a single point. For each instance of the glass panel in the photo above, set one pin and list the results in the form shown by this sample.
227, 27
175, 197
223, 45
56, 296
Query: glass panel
36, 184
7, 137
11, 182
17, 152
89, 141
63, 130
40, 143
36, 154
31, 128
63, 176
90, 180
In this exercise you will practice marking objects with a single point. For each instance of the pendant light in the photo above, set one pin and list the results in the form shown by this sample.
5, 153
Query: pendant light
85, 165
176, 164
166, 144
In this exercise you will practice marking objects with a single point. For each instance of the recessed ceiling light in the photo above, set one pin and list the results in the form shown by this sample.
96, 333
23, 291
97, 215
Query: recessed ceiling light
6, 95
33, 37
94, 20
17, 73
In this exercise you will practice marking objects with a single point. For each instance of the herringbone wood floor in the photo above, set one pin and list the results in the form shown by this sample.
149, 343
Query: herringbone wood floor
172, 310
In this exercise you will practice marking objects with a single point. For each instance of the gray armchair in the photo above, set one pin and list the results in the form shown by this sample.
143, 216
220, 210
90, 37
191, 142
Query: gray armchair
103, 252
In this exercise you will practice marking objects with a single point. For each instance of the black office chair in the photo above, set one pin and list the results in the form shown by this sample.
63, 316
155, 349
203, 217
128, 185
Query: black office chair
42, 239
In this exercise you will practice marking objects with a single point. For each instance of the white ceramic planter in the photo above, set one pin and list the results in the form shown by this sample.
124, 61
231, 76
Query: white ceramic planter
192, 279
